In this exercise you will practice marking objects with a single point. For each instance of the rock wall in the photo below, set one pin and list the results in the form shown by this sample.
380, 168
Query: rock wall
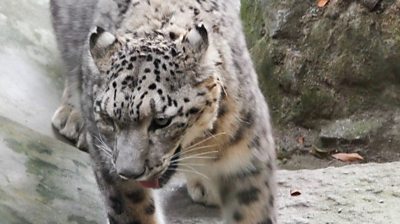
320, 64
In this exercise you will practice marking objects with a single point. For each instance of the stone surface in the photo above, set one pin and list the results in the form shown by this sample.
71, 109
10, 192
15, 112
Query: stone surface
350, 131
30, 69
366, 193
320, 64
43, 180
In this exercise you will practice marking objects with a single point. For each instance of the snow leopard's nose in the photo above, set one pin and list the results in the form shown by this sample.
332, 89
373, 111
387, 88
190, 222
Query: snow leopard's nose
131, 150
129, 166
130, 174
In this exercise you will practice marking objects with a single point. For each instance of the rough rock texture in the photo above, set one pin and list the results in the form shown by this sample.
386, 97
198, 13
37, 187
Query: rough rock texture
349, 131
43, 180
366, 193
317, 65
30, 69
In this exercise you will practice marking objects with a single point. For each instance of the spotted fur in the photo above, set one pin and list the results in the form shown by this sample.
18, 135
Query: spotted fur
166, 86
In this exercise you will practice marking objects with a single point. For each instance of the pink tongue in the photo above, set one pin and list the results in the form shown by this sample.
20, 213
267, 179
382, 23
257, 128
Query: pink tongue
150, 183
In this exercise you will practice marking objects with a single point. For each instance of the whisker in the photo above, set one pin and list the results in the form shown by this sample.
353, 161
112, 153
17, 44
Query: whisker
209, 153
201, 153
106, 148
198, 172
191, 171
197, 148
194, 157
101, 147
186, 153
100, 139
223, 88
206, 139
193, 164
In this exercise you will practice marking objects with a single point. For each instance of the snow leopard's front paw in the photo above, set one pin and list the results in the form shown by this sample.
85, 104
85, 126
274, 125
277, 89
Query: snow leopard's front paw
201, 193
69, 123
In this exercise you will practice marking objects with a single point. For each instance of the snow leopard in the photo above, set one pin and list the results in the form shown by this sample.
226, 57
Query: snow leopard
158, 87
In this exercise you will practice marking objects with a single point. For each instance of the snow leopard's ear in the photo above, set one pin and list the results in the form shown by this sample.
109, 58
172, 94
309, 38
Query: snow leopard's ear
196, 40
100, 42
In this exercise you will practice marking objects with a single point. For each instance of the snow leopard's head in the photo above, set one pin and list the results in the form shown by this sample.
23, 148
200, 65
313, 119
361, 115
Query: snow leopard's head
155, 94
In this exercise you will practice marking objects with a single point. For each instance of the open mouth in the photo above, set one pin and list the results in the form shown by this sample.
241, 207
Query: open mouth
166, 176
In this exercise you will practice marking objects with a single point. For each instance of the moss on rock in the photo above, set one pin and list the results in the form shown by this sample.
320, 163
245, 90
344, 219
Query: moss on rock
321, 64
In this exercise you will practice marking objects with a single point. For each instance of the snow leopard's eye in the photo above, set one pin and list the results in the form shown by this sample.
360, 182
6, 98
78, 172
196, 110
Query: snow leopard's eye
106, 124
160, 122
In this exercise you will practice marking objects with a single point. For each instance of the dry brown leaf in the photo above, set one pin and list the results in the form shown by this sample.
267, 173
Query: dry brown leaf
295, 192
300, 140
322, 3
348, 157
